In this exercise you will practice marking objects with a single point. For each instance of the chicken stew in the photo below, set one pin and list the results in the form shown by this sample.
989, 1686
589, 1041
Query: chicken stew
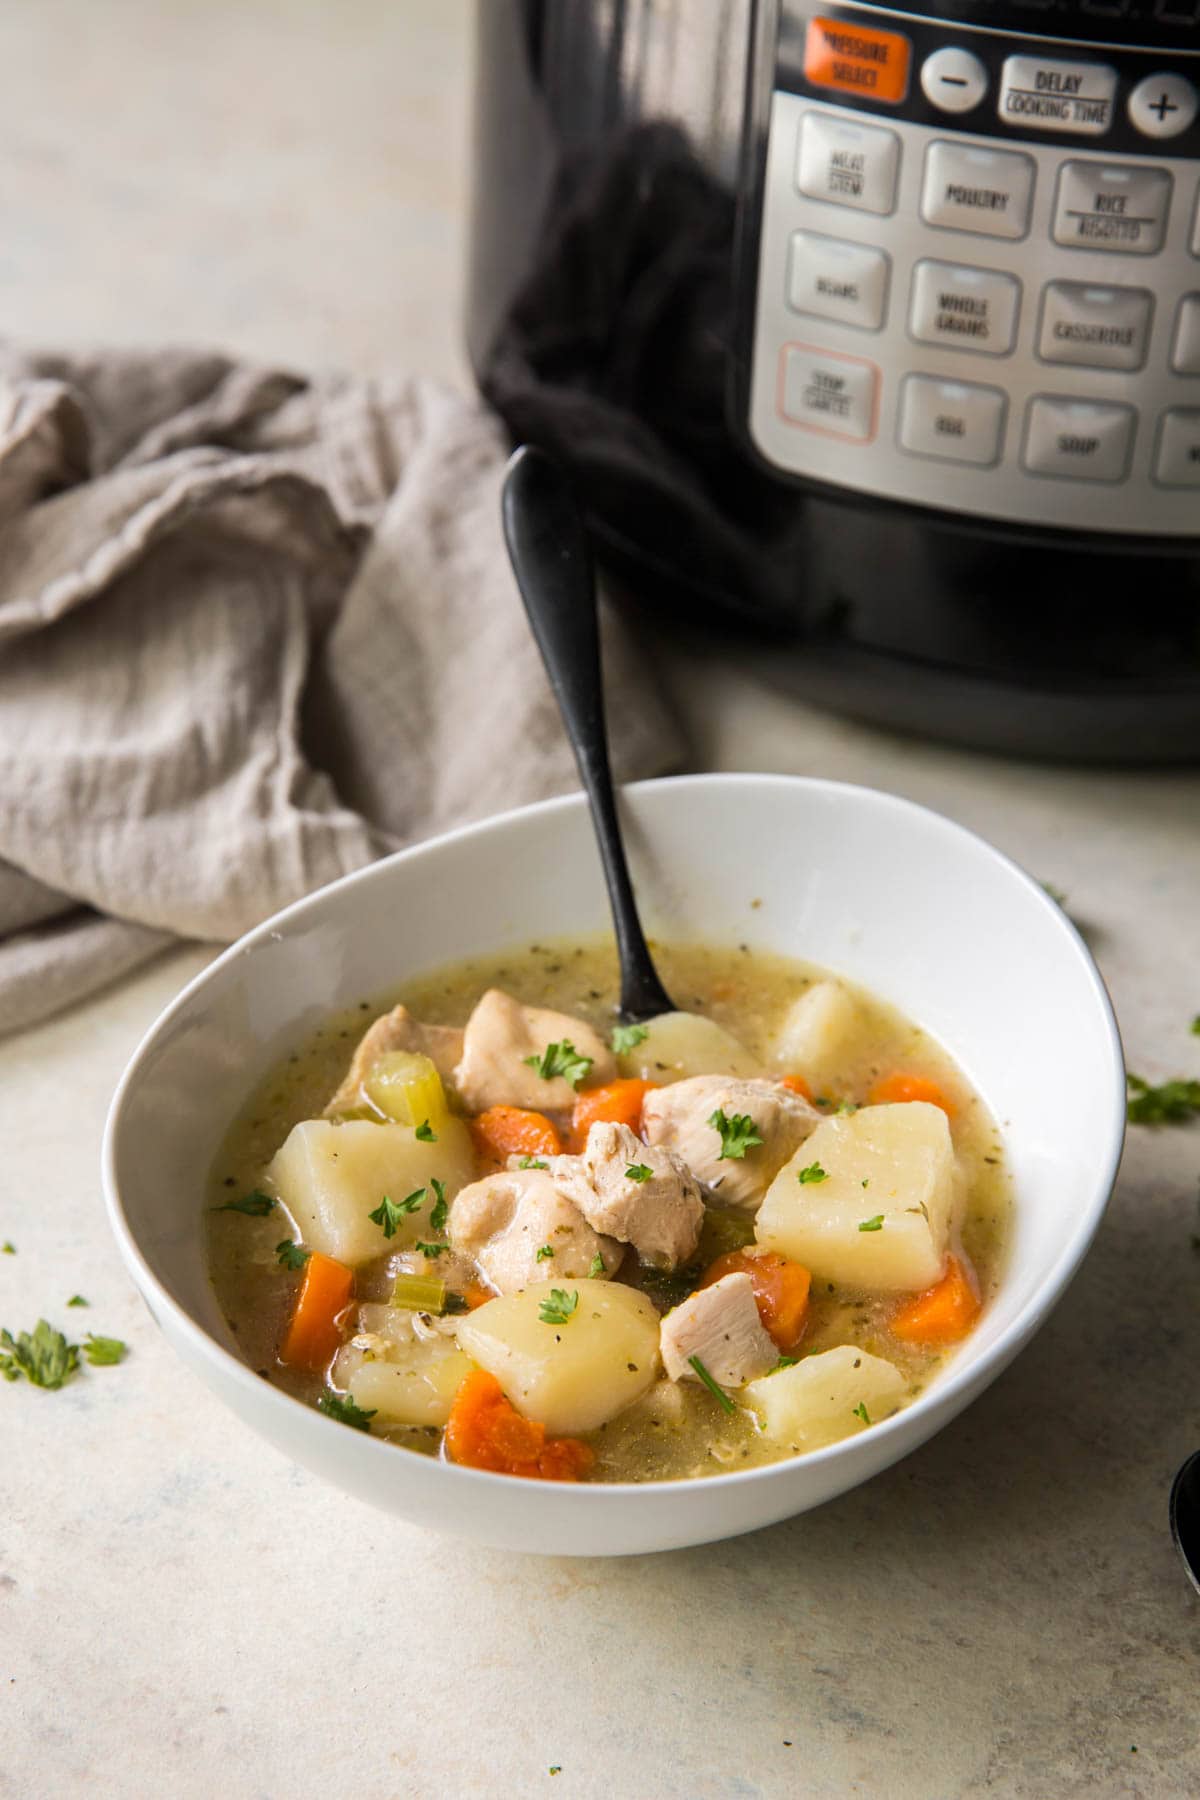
497, 1227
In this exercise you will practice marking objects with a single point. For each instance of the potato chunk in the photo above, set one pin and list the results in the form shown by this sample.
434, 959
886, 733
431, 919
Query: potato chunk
680, 1044
402, 1366
332, 1177
571, 1376
818, 1401
818, 1033
881, 1213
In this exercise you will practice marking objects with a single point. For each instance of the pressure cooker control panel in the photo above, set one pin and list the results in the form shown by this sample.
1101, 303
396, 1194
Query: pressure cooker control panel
978, 270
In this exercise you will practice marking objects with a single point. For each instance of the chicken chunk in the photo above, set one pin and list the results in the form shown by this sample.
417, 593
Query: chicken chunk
658, 1209
679, 1118
396, 1030
720, 1325
504, 1221
500, 1039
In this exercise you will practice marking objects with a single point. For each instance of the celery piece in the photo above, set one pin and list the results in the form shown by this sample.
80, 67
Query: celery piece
419, 1293
406, 1087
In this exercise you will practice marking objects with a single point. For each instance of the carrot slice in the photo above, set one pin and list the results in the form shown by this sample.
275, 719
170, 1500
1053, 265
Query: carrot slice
943, 1313
484, 1431
797, 1084
313, 1335
902, 1086
780, 1290
616, 1103
511, 1131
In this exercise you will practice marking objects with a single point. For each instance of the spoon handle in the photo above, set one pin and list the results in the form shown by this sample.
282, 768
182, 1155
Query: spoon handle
553, 566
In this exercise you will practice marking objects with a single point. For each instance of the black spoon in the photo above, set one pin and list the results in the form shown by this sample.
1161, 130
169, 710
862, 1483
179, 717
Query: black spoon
1185, 1515
553, 566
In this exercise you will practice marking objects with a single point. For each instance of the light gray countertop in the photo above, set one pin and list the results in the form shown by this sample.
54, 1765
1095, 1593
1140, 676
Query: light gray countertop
181, 1611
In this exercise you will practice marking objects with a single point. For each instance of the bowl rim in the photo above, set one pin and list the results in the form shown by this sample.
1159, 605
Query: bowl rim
947, 1394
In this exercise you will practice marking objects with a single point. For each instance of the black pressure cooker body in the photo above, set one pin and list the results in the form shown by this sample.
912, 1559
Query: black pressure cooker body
871, 337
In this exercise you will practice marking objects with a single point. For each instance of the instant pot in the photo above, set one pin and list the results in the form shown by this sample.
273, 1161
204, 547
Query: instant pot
871, 337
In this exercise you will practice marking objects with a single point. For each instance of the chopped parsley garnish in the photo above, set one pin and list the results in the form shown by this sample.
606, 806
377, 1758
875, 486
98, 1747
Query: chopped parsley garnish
866, 1181
43, 1356
389, 1212
1196, 1026
455, 1303
718, 1393
101, 1352
440, 1211
737, 1134
561, 1059
290, 1255
345, 1411
786, 1362
814, 1172
255, 1205
597, 1270
558, 1306
875, 1224
860, 1412
432, 1250
532, 1162
77, 1300
544, 1252
627, 1037
1171, 1104
8, 1248
425, 1134
638, 1172
1055, 893
844, 1108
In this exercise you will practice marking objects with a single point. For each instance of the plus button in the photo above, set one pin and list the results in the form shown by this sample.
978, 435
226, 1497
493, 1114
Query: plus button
1162, 106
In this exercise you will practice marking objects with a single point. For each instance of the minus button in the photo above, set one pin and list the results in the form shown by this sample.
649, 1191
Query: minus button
953, 80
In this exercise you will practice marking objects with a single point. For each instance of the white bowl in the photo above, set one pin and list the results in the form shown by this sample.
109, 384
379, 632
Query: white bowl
915, 908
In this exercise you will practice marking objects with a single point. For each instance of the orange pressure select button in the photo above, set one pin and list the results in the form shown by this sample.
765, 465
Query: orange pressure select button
856, 60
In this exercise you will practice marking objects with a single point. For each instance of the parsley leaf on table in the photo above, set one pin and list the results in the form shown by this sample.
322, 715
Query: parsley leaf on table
1172, 1103
43, 1356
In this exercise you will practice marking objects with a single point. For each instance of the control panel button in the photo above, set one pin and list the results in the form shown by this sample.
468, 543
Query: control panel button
1112, 207
850, 165
1095, 327
855, 59
825, 391
985, 191
836, 280
953, 80
1177, 458
1162, 106
1084, 440
964, 309
1058, 96
1185, 351
952, 420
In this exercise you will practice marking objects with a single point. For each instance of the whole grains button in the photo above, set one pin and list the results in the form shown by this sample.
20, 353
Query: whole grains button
1095, 327
970, 189
1080, 440
1077, 97
833, 279
826, 392
963, 308
953, 421
1162, 106
848, 165
953, 80
1113, 207
1177, 458
1185, 351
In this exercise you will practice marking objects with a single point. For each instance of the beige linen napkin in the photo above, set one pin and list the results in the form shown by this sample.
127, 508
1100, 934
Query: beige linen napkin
254, 631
